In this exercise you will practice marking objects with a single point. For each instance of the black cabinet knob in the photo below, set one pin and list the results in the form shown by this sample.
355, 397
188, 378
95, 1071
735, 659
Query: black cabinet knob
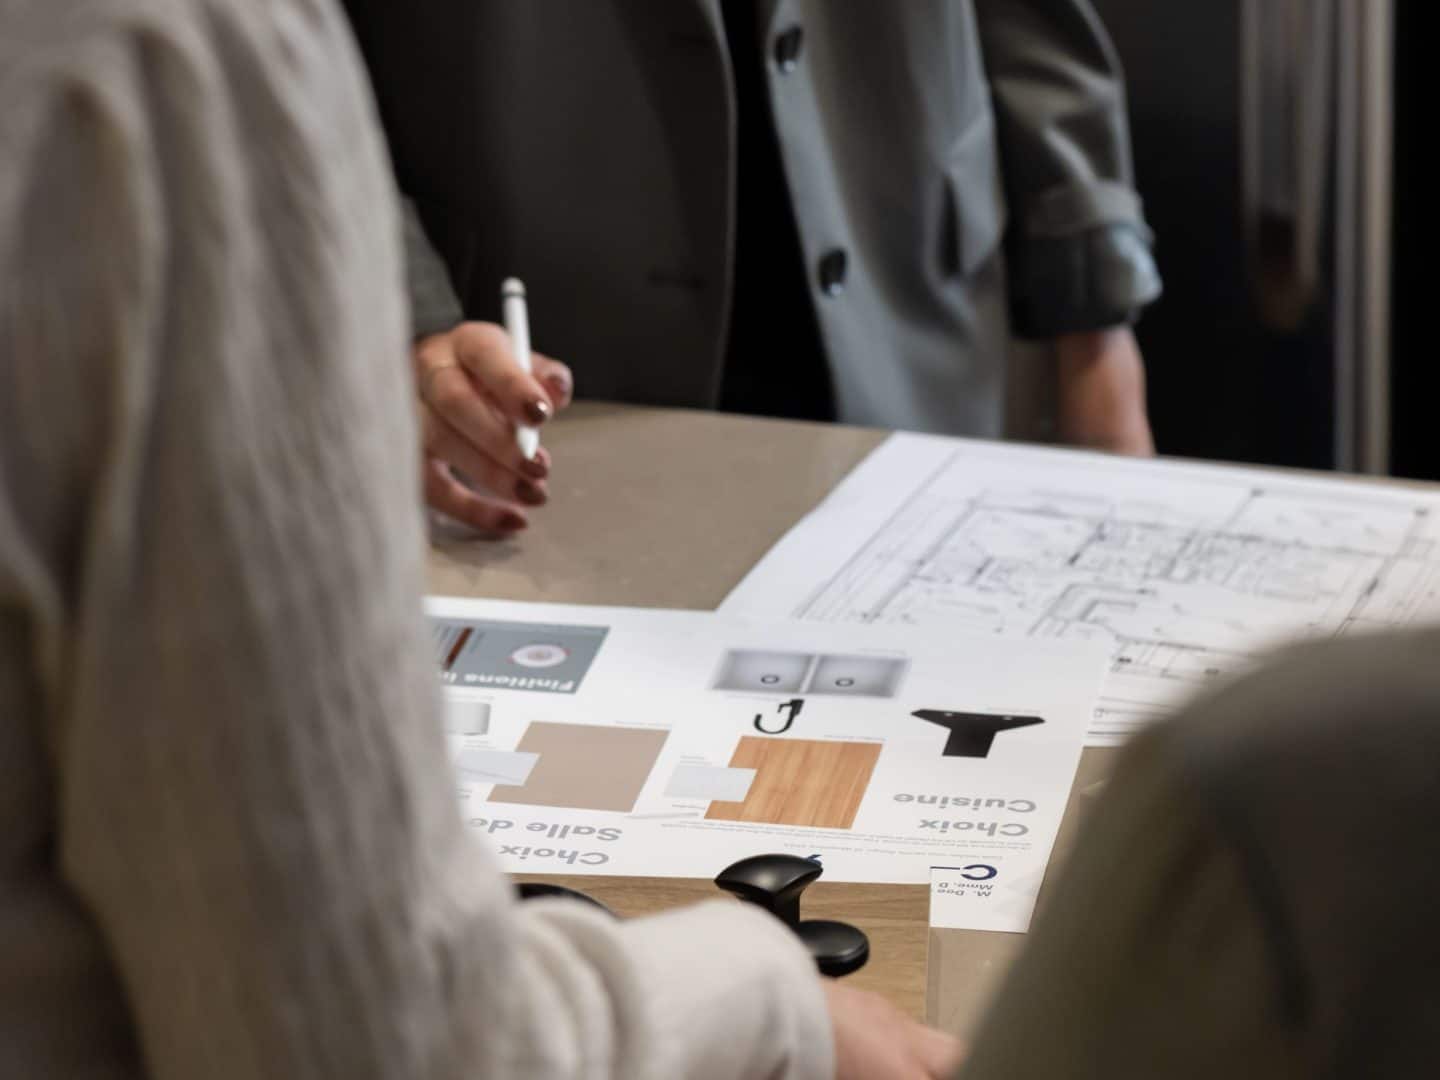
775, 882
838, 948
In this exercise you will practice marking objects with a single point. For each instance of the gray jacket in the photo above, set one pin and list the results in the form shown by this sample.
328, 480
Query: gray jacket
588, 147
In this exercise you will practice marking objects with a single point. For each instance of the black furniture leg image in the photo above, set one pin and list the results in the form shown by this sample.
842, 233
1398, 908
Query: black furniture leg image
775, 882
972, 734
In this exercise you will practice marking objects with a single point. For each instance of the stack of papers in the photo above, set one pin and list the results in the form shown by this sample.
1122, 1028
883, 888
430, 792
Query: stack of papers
1184, 574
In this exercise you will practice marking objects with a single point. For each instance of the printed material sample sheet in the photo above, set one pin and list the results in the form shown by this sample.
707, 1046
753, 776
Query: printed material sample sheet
591, 740
1185, 573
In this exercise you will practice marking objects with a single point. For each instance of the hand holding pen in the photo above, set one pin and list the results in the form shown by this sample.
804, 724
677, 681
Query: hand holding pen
477, 398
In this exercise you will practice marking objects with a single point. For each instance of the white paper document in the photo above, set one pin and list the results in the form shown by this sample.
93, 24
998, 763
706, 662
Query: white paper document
1186, 573
673, 743
979, 894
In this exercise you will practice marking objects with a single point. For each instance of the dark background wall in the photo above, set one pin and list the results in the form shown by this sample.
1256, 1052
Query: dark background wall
1221, 385
1416, 387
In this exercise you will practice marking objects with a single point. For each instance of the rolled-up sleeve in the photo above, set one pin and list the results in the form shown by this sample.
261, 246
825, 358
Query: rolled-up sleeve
1079, 247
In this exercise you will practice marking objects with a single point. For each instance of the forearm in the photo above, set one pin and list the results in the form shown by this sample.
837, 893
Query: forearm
1101, 401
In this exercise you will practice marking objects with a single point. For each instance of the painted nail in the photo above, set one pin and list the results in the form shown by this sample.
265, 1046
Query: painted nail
512, 522
537, 411
560, 385
537, 467
530, 493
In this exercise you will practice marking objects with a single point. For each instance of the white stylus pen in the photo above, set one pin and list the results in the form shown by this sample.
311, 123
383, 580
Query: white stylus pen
517, 325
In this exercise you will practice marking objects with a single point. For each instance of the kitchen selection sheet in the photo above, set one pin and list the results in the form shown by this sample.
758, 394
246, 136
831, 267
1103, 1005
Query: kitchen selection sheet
1186, 574
590, 740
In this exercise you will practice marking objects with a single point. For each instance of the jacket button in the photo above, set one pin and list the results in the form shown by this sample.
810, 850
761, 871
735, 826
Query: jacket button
787, 49
833, 265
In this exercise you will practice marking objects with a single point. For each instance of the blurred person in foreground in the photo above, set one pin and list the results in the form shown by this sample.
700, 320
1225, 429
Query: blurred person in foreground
229, 842
1254, 896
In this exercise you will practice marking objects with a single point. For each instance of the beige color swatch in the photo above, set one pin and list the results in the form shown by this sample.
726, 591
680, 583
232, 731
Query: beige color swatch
800, 782
584, 767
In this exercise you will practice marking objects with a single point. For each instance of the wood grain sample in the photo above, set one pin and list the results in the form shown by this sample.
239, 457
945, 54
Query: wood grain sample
806, 782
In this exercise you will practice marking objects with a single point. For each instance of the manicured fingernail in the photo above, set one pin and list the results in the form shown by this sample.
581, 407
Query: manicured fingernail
512, 522
537, 411
560, 385
530, 493
537, 467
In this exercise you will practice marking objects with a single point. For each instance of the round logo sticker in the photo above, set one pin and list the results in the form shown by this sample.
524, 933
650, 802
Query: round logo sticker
539, 655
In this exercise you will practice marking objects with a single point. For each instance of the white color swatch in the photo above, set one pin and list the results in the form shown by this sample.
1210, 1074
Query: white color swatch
709, 782
499, 766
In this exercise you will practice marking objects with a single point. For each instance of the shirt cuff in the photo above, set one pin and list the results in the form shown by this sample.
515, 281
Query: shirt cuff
1081, 261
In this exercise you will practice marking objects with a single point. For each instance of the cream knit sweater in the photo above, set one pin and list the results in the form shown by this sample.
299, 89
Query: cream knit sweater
229, 843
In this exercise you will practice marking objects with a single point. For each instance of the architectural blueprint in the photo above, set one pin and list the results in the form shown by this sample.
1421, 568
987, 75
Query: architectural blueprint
1186, 572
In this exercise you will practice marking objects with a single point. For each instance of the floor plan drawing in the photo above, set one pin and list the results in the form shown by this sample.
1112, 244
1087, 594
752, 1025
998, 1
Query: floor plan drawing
1185, 572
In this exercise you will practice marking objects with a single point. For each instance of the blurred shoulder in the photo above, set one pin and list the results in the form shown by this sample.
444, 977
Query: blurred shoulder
110, 49
135, 79
1328, 705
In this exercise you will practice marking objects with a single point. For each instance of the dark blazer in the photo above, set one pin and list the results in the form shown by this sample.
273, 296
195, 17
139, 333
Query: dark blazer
587, 146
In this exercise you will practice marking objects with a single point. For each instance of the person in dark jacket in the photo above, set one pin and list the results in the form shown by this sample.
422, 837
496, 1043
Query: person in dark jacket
787, 207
